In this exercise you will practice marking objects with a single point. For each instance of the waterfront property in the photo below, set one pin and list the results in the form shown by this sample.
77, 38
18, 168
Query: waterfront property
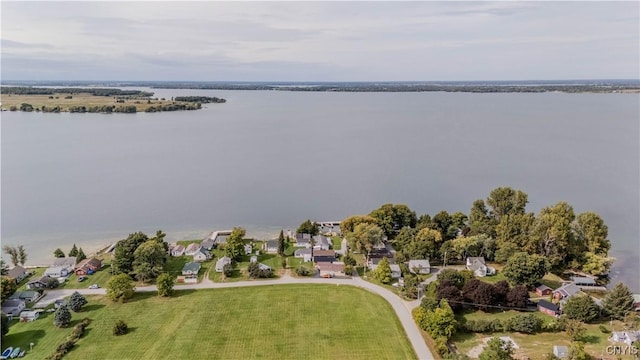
17, 273
57, 271
565, 291
225, 260
39, 283
13, 307
192, 249
202, 255
88, 266
177, 250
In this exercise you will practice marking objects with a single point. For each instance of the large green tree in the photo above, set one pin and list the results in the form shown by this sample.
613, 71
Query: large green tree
349, 224
515, 229
497, 349
58, 253
124, 252
22, 255
553, 236
74, 251
235, 244
525, 269
281, 244
165, 284
591, 246
441, 321
505, 201
149, 260
391, 218
120, 288
383, 271
582, 308
424, 245
13, 253
480, 222
81, 256
308, 227
618, 302
364, 237
77, 301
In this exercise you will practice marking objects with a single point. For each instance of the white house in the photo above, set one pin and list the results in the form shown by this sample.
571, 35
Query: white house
321, 242
13, 307
271, 246
421, 266
395, 271
222, 262
178, 250
57, 271
262, 266
303, 240
479, 267
68, 262
627, 337
253, 259
29, 315
202, 255
304, 254
192, 249
248, 249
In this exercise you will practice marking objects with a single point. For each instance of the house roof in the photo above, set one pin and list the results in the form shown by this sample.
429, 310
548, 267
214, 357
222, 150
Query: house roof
55, 269
324, 253
272, 243
223, 260
424, 263
208, 243
91, 262
475, 263
547, 305
28, 294
178, 248
12, 303
395, 267
203, 251
192, 267
262, 266
303, 251
302, 237
568, 289
583, 280
326, 266
68, 261
41, 279
543, 287
16, 271
321, 240
193, 247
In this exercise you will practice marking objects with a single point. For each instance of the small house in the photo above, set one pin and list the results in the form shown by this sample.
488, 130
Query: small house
88, 266
248, 249
192, 249
303, 240
565, 291
207, 244
13, 307
28, 296
253, 259
17, 273
191, 269
324, 256
627, 337
479, 267
57, 271
583, 281
178, 250
304, 254
26, 316
68, 262
560, 351
222, 262
271, 246
543, 290
548, 308
636, 301
396, 273
39, 283
328, 269
202, 255
419, 266
321, 242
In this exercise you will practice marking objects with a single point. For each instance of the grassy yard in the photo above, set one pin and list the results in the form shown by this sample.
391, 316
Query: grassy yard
336, 242
535, 346
318, 322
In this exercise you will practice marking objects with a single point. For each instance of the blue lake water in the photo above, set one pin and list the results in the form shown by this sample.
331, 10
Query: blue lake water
267, 160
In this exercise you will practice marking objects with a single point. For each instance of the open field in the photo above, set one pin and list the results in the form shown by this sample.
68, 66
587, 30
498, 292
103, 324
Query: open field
81, 99
270, 322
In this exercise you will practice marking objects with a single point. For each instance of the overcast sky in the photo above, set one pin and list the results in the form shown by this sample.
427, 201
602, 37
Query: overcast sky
320, 41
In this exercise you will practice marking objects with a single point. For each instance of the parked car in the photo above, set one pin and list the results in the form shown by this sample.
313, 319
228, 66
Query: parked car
82, 278
94, 286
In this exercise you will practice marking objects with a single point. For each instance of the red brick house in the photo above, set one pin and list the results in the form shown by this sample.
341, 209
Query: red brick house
543, 290
87, 266
548, 308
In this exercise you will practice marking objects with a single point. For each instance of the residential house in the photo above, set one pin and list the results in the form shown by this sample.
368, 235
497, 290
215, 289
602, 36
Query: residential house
627, 337
583, 281
222, 262
192, 249
69, 262
565, 291
248, 249
303, 240
178, 250
324, 256
271, 246
208, 244
560, 351
636, 301
479, 267
253, 259
17, 273
220, 237
304, 254
39, 283
88, 266
57, 271
543, 290
372, 264
13, 307
28, 296
420, 266
202, 255
191, 269
548, 308
396, 273
29, 315
321, 242
328, 269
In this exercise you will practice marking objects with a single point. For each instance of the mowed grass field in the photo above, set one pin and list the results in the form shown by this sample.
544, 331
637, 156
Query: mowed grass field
309, 321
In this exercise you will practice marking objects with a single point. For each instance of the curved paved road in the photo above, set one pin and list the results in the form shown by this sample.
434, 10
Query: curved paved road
401, 307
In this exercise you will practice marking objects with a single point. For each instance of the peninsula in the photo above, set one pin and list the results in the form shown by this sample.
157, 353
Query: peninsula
95, 100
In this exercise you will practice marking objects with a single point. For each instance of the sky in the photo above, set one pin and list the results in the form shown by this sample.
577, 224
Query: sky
319, 41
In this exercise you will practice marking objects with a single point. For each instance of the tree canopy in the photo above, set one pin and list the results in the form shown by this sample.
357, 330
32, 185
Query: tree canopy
120, 288
525, 269
234, 248
618, 302
308, 227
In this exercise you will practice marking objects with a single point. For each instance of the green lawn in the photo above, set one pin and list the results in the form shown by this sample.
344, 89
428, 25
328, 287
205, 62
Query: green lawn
336, 242
308, 321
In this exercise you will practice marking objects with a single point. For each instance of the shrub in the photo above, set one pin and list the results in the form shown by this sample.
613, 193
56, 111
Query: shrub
302, 271
65, 346
120, 328
227, 269
441, 345
603, 329
348, 260
525, 323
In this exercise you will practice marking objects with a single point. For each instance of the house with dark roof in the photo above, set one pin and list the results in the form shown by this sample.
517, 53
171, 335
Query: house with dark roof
17, 273
13, 307
565, 291
271, 246
207, 244
191, 269
303, 240
39, 283
543, 290
28, 296
324, 256
88, 266
202, 255
548, 308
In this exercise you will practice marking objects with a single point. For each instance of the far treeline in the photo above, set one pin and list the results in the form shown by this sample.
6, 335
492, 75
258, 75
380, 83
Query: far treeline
92, 91
498, 228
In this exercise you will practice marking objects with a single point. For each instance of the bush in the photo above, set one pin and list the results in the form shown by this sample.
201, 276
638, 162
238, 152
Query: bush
302, 271
120, 328
603, 329
441, 345
525, 323
227, 269
65, 346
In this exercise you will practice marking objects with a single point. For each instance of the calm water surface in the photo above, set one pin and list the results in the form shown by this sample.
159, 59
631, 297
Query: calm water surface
267, 160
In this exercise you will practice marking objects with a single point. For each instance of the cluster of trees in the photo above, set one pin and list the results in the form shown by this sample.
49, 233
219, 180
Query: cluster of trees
174, 107
256, 272
141, 256
496, 228
308, 227
76, 252
23, 90
18, 254
234, 248
438, 320
120, 288
200, 99
71, 339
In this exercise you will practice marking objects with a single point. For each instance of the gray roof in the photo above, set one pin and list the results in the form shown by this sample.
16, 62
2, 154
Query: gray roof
560, 351
475, 263
302, 252
67, 261
272, 243
16, 271
394, 267
543, 287
12, 303
567, 290
583, 280
208, 244
191, 266
321, 240
419, 263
